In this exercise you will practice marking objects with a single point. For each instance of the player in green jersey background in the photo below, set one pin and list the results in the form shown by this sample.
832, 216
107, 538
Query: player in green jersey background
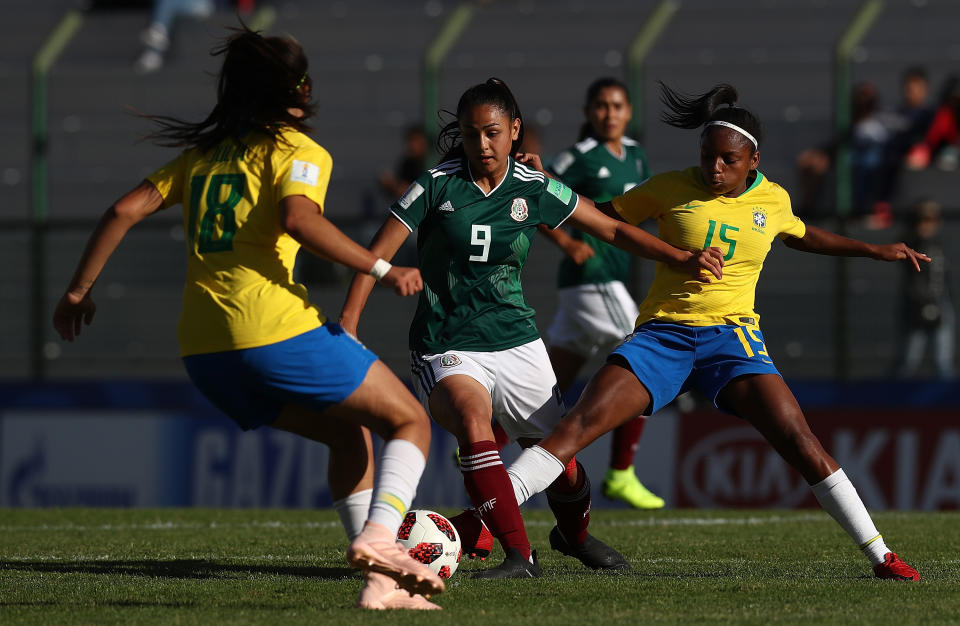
476, 351
594, 308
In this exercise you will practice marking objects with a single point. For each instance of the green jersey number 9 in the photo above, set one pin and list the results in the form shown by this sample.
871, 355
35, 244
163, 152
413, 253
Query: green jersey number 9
480, 236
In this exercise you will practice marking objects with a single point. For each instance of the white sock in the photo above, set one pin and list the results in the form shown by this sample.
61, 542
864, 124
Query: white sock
532, 472
353, 511
398, 473
840, 499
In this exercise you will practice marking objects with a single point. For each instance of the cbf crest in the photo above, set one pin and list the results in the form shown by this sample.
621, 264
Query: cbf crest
759, 219
518, 210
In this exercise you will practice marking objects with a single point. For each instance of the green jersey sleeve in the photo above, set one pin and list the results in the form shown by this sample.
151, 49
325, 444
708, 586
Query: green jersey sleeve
557, 202
567, 167
411, 208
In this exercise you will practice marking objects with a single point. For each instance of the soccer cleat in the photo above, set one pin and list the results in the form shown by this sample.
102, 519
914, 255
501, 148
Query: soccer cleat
593, 553
893, 568
381, 592
514, 566
376, 549
475, 538
624, 485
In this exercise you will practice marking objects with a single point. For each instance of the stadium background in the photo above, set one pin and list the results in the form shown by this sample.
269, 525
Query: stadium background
111, 420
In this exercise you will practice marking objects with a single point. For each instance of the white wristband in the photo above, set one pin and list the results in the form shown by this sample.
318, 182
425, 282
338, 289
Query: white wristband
380, 269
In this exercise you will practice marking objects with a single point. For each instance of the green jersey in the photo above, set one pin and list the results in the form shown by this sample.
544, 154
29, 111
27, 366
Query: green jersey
596, 173
472, 247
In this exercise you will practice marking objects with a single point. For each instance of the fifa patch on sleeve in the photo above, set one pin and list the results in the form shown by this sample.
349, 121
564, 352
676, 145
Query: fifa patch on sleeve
562, 163
413, 192
304, 172
559, 190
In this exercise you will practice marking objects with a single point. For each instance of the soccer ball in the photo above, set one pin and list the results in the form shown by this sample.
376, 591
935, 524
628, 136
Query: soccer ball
432, 540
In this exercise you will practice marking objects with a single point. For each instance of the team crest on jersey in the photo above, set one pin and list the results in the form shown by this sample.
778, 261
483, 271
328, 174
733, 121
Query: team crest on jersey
450, 360
518, 210
759, 219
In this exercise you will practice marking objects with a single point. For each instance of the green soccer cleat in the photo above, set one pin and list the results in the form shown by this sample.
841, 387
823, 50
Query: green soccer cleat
624, 485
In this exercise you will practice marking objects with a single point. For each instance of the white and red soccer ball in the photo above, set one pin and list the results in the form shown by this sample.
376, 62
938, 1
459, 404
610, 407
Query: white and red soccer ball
431, 539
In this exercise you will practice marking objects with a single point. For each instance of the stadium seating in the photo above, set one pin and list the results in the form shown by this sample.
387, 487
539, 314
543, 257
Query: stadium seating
366, 60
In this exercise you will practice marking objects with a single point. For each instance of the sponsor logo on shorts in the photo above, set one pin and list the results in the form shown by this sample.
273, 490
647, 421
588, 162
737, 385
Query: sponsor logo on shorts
518, 210
450, 360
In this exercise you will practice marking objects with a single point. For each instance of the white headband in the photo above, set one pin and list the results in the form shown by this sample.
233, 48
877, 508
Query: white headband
736, 128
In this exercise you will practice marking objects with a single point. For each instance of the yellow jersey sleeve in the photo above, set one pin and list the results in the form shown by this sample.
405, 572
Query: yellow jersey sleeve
169, 181
790, 224
305, 171
641, 203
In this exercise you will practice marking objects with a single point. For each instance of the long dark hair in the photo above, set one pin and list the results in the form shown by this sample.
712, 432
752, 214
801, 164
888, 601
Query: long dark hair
586, 130
494, 92
717, 105
261, 78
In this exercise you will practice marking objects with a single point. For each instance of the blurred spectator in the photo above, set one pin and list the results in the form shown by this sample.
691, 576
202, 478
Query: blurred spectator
928, 313
412, 163
908, 125
868, 139
941, 144
156, 38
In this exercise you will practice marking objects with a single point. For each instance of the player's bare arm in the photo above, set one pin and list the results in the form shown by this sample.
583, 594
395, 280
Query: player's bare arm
384, 245
76, 307
820, 241
641, 243
573, 248
302, 219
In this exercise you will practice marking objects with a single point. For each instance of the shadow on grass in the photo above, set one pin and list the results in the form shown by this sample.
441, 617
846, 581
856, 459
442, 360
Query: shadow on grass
178, 568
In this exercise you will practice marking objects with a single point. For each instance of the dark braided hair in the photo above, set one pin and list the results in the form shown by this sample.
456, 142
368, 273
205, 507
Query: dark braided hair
717, 105
493, 92
586, 130
260, 80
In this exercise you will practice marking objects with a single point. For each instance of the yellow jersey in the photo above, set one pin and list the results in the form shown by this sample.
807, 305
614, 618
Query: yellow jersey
239, 290
689, 216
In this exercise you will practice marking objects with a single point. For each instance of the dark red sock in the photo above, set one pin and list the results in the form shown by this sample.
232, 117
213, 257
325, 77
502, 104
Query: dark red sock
625, 438
500, 435
491, 493
570, 502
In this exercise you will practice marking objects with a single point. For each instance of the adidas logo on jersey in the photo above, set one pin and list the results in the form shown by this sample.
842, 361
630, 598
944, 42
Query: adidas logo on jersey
446, 207
603, 172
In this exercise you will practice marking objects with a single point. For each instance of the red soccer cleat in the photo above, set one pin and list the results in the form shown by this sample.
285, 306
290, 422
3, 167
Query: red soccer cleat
894, 568
475, 538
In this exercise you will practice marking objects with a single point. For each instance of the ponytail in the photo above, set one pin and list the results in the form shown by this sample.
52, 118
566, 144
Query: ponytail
717, 105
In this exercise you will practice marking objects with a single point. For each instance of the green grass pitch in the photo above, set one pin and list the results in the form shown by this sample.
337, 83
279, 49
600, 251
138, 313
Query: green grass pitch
197, 566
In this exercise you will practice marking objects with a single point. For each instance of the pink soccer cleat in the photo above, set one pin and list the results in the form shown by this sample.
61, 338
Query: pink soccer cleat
376, 550
894, 568
381, 592
475, 538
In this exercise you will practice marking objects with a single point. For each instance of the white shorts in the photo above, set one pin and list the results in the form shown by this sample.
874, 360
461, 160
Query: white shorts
592, 317
520, 381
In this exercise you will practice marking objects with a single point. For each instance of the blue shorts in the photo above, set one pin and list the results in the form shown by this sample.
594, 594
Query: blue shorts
317, 369
671, 358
